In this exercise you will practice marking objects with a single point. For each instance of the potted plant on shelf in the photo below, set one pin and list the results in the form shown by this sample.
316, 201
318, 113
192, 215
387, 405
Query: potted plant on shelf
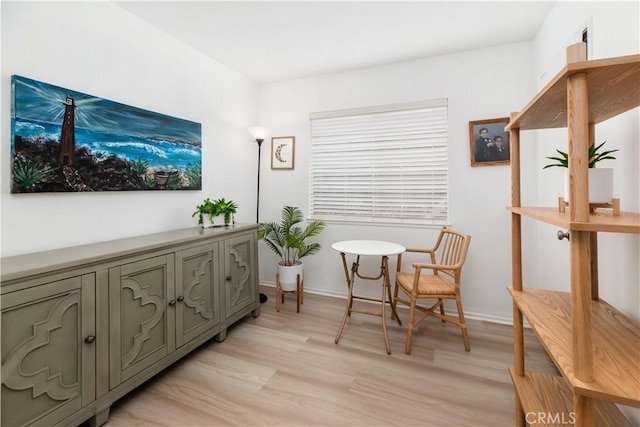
216, 213
600, 179
288, 241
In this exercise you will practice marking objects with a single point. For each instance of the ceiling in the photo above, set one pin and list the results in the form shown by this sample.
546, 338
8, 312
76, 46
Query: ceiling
271, 41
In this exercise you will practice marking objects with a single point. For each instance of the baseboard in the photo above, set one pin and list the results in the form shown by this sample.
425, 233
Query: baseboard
468, 315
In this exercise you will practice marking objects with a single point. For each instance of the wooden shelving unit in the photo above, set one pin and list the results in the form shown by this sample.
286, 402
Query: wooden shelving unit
594, 346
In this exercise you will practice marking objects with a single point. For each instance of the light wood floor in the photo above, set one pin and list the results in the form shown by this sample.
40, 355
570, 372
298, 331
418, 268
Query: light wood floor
284, 369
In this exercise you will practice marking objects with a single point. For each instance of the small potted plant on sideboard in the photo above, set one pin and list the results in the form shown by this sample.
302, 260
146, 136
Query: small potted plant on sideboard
216, 213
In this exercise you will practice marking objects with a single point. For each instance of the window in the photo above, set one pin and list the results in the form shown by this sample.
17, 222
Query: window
383, 164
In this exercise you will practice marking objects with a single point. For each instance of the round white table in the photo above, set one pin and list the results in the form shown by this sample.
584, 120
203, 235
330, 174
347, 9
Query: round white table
368, 248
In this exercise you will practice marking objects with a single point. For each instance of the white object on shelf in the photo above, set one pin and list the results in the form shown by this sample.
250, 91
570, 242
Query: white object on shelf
600, 185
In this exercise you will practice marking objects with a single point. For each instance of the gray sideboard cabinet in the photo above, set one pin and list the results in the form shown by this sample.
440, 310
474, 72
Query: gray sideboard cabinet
83, 326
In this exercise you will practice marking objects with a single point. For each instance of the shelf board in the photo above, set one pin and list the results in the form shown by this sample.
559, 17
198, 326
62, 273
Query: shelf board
542, 393
613, 88
616, 340
601, 220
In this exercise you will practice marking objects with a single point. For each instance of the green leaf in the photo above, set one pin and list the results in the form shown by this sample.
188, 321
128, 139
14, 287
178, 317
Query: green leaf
594, 157
286, 239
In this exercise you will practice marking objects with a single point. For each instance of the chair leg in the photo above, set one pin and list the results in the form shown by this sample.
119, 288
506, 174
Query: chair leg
412, 312
442, 309
463, 325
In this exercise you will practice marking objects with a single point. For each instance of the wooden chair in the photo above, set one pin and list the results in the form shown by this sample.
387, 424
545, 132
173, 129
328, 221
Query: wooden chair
443, 282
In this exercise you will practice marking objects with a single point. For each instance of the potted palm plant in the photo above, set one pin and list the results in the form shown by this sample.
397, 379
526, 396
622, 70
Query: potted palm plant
288, 241
600, 179
216, 213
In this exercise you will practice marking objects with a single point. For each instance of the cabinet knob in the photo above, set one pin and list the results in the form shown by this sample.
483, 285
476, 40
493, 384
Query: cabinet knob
563, 235
172, 303
90, 339
180, 298
228, 278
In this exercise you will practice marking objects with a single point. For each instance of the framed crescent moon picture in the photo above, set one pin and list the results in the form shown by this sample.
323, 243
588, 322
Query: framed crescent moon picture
283, 152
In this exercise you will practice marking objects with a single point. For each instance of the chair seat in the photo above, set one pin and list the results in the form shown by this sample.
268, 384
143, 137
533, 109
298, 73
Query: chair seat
429, 284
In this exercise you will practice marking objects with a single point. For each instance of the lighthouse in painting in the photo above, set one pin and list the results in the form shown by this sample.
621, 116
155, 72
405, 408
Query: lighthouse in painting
68, 137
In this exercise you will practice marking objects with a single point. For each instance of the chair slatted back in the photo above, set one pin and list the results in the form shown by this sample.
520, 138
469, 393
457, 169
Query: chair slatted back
451, 249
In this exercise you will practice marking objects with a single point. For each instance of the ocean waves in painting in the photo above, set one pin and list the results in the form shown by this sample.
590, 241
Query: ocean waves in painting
158, 152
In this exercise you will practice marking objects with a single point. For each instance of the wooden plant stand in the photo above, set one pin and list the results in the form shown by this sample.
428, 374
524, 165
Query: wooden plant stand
614, 205
299, 291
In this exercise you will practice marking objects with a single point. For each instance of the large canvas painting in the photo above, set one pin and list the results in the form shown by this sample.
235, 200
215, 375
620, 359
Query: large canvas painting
63, 140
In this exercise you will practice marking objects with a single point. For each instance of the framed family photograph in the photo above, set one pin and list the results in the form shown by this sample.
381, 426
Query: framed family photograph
489, 142
283, 152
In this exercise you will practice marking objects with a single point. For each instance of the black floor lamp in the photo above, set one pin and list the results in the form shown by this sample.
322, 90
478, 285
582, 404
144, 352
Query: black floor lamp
259, 134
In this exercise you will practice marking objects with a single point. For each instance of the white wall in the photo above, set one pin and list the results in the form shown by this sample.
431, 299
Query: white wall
481, 84
100, 49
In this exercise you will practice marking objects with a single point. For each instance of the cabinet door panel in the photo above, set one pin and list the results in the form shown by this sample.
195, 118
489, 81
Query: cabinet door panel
239, 268
197, 292
141, 327
47, 369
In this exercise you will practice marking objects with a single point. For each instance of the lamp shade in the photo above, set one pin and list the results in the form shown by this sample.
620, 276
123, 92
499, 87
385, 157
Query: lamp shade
258, 132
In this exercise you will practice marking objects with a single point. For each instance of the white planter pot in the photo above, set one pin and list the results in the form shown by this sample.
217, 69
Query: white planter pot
600, 185
216, 221
289, 276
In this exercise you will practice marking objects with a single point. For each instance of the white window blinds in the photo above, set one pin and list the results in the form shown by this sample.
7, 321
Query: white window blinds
380, 164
